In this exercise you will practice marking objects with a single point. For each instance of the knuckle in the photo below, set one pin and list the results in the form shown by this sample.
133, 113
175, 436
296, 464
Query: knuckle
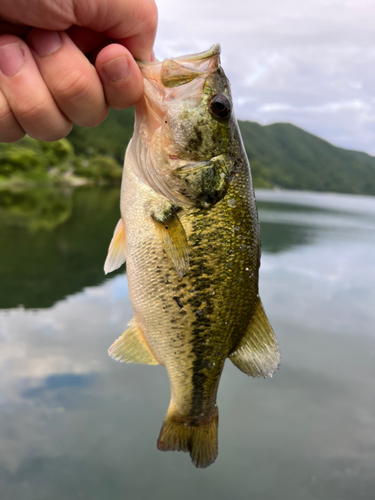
73, 85
30, 110
10, 131
6, 114
81, 98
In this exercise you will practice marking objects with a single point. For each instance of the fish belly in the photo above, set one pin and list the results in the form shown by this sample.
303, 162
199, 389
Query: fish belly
193, 322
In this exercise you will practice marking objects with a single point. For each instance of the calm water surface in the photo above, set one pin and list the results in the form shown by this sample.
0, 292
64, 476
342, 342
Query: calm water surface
74, 424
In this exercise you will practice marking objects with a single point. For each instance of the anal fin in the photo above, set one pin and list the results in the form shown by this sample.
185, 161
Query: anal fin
131, 347
257, 353
116, 251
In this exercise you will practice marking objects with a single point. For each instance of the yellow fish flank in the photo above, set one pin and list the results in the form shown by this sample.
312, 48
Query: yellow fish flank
190, 236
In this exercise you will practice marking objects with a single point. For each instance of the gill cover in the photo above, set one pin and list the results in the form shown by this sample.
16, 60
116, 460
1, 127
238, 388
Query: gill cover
183, 134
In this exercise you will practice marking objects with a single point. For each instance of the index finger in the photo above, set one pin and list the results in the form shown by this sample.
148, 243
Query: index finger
131, 23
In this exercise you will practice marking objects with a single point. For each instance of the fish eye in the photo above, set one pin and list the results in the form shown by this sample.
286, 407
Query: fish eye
220, 106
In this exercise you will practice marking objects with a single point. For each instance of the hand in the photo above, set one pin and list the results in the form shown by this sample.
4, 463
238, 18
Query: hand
46, 81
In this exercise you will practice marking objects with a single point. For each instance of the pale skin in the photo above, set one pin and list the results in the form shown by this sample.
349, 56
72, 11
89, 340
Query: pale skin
64, 62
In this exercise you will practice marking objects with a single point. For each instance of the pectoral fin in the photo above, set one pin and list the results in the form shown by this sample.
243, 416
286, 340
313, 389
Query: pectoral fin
257, 353
173, 236
131, 347
116, 251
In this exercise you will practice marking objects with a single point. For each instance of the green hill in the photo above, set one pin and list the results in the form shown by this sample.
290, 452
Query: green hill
294, 159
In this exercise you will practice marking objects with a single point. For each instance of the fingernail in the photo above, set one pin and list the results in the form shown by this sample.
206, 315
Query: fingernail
117, 70
46, 42
11, 59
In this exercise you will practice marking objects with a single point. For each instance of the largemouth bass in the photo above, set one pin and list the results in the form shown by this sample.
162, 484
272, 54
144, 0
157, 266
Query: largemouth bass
190, 235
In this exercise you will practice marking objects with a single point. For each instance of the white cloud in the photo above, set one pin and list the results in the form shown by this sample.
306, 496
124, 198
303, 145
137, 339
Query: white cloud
310, 63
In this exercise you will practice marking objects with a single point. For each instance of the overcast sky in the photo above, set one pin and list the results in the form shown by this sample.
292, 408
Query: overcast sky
308, 62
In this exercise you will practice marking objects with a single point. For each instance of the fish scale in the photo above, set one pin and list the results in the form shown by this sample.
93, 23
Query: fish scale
190, 235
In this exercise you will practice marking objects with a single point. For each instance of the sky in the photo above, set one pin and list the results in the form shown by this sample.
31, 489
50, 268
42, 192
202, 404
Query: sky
309, 62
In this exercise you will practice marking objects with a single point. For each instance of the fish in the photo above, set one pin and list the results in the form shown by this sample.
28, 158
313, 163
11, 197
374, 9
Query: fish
190, 236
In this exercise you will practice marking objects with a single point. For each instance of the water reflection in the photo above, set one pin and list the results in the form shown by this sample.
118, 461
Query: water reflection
75, 424
53, 243
291, 218
36, 208
57, 382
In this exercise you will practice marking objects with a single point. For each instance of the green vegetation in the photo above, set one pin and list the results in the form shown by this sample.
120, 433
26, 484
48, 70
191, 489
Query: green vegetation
280, 155
32, 160
100, 168
29, 162
295, 159
35, 208
53, 242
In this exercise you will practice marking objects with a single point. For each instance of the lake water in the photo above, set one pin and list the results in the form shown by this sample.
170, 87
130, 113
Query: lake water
74, 424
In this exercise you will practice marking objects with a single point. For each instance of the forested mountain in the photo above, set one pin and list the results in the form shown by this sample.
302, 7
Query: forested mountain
294, 159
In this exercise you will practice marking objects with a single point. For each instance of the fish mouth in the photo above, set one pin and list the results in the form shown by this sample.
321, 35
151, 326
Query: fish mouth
213, 51
174, 72
173, 81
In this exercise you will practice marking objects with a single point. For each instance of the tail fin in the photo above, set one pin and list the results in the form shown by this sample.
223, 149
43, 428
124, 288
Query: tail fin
199, 439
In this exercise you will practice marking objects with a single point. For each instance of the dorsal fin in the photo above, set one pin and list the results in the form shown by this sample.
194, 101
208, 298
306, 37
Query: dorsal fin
116, 252
173, 237
131, 347
257, 353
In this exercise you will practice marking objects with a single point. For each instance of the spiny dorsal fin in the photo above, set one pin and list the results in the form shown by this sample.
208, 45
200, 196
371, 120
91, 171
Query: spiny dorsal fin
116, 251
131, 347
173, 236
257, 353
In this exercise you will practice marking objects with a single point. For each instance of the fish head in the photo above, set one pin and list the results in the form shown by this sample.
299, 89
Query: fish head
186, 121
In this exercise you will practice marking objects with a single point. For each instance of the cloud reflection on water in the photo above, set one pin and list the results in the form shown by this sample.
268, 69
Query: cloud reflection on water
75, 424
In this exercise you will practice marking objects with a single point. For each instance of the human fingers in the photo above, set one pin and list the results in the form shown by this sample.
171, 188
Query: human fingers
87, 40
70, 77
7, 28
10, 129
27, 95
49, 14
120, 75
131, 23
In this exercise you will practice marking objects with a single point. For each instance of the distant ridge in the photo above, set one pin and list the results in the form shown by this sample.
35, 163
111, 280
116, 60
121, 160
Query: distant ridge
280, 155
284, 155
